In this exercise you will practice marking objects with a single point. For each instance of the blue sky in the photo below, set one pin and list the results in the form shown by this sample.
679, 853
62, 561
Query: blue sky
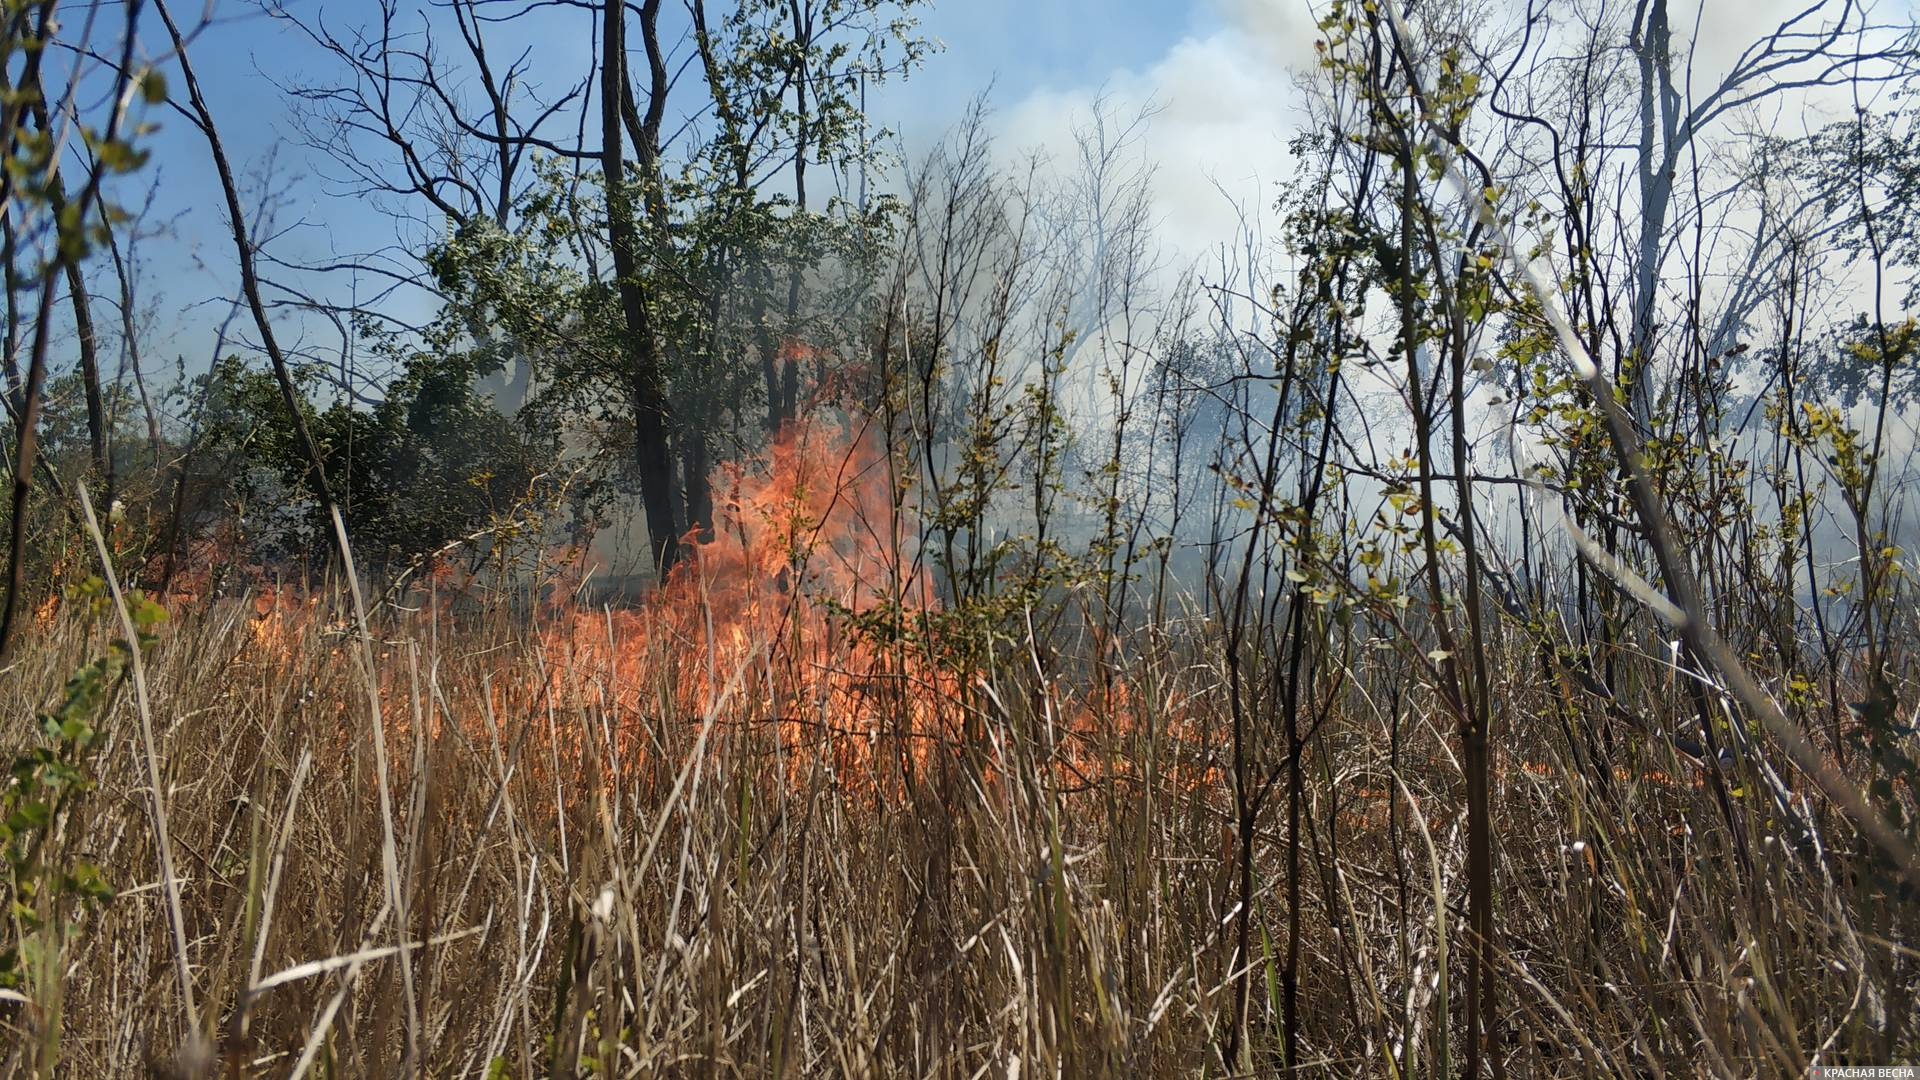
1216, 74
1016, 46
1045, 61
1023, 46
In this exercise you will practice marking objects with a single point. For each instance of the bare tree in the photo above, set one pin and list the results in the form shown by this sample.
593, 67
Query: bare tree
61, 229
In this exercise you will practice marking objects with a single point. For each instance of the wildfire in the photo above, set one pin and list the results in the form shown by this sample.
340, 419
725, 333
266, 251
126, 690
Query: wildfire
803, 624
788, 619
284, 619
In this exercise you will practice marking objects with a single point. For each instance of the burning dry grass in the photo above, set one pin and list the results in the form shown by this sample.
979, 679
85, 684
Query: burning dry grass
762, 623
606, 879
769, 825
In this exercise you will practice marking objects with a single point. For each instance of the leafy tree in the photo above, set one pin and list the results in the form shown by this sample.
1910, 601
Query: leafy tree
428, 465
685, 282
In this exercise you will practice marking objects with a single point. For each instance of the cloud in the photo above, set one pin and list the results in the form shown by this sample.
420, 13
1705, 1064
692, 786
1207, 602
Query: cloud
1224, 103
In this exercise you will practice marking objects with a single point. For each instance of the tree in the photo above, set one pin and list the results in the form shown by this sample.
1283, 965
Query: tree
707, 233
59, 231
1621, 358
646, 382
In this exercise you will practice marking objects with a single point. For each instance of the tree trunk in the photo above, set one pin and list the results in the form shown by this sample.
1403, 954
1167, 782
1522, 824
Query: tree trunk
646, 386
789, 404
82, 323
1660, 140
698, 467
25, 447
89, 371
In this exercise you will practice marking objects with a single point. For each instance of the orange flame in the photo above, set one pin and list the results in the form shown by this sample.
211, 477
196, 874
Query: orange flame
781, 619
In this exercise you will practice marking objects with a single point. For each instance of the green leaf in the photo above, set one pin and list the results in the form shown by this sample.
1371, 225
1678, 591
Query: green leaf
85, 879
32, 814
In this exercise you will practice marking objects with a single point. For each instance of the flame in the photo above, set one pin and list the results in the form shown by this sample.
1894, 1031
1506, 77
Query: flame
804, 625
798, 618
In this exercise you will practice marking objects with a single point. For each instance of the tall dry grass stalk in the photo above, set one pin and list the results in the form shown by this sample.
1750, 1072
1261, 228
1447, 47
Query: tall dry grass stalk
583, 885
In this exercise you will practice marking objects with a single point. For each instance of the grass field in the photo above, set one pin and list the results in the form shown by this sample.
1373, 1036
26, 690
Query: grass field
823, 858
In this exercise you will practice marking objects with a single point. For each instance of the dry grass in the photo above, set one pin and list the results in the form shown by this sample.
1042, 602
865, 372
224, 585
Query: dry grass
591, 887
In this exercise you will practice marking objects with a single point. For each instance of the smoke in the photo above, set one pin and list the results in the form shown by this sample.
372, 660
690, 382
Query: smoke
1220, 108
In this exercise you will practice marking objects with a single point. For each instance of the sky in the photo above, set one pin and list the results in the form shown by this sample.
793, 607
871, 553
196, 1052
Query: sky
1213, 73
1216, 80
1215, 77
